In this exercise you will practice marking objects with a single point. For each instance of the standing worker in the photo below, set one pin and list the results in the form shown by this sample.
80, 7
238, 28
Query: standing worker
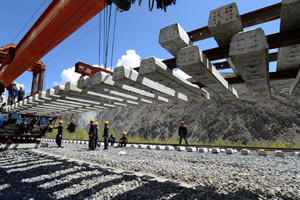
91, 134
13, 92
2, 89
105, 135
95, 142
182, 132
21, 93
59, 133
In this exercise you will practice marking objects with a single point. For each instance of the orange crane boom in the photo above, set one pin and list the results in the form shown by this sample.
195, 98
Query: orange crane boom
58, 21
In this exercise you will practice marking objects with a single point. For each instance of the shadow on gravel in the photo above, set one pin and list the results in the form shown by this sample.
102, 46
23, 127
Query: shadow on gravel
27, 184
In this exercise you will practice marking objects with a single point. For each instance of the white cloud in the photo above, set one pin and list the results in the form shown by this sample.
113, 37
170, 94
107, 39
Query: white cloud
68, 75
182, 74
131, 59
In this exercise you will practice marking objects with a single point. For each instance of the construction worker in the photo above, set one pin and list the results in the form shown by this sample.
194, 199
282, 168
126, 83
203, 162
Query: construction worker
21, 93
13, 92
59, 133
105, 135
91, 134
112, 140
123, 140
182, 132
2, 90
95, 142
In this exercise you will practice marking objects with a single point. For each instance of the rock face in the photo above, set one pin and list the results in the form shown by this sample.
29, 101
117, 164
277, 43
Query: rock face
245, 119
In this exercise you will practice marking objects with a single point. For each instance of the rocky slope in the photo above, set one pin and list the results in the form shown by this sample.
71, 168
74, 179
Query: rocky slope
246, 119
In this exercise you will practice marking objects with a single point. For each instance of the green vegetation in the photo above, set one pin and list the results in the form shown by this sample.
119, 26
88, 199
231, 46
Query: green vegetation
83, 135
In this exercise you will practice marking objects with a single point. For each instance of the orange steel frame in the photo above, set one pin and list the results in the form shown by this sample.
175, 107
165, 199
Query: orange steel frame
59, 20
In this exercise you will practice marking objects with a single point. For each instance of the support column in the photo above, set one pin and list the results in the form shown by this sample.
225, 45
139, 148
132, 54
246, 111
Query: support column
295, 89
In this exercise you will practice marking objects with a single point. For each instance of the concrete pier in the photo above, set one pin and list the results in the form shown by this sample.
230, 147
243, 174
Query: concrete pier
192, 61
249, 53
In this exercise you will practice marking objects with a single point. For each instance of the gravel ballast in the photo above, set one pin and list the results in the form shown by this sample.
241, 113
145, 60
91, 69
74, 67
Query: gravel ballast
73, 172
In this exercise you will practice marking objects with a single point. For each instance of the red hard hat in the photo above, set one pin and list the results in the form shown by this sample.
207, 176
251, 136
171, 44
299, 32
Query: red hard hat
182, 122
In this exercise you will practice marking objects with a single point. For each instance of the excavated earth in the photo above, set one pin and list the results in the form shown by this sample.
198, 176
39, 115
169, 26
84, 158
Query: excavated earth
73, 172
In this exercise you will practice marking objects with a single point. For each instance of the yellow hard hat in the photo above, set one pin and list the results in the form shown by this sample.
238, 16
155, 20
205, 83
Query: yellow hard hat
14, 83
106, 122
92, 120
1, 80
124, 133
96, 123
21, 86
60, 122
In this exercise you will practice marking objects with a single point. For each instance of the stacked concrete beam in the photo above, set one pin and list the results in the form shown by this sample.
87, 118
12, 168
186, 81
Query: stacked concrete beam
173, 38
131, 77
105, 80
86, 83
289, 57
192, 61
156, 70
223, 23
249, 53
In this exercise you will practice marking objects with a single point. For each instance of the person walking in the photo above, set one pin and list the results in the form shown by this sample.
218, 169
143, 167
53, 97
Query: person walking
182, 132
91, 134
21, 93
59, 133
2, 90
13, 92
105, 135
95, 141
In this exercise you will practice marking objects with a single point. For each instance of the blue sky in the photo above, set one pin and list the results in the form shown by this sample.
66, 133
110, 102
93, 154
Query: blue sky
137, 30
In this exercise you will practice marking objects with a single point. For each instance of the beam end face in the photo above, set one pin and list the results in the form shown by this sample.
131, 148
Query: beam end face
192, 61
249, 53
173, 38
224, 22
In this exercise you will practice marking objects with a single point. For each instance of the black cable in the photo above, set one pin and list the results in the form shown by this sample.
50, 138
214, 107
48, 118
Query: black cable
113, 41
29, 20
108, 30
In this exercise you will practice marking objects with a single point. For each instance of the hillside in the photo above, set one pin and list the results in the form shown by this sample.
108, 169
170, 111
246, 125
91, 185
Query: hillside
277, 118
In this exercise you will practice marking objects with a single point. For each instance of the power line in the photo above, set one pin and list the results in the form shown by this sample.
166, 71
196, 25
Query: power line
29, 20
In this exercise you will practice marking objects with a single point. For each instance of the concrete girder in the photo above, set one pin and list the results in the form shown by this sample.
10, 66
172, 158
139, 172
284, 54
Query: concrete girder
105, 80
87, 84
73, 89
60, 90
295, 89
131, 77
156, 70
173, 38
289, 57
223, 23
192, 61
249, 53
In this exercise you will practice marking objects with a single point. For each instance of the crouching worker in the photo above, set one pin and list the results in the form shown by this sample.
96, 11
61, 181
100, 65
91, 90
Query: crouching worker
59, 133
123, 140
112, 140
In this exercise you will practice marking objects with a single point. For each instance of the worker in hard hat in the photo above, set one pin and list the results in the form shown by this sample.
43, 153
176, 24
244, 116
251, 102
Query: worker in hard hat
59, 133
13, 92
123, 140
111, 140
91, 134
182, 132
105, 135
21, 93
2, 90
95, 141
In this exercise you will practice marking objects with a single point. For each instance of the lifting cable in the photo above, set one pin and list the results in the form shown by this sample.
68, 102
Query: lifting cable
29, 20
113, 41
